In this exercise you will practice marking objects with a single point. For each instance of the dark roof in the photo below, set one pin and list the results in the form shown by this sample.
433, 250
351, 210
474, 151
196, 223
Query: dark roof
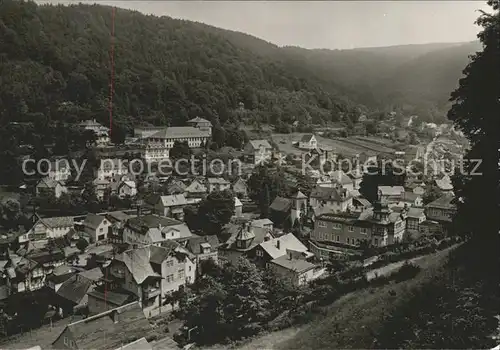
46, 256
75, 288
258, 235
59, 221
306, 138
94, 274
194, 243
159, 254
93, 221
329, 193
363, 201
281, 204
443, 202
101, 332
410, 196
115, 297
118, 216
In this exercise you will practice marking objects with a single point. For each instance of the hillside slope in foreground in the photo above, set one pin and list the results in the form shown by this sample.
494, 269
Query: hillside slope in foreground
390, 316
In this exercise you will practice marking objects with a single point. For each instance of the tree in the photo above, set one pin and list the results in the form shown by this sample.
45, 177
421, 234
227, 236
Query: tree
264, 202
82, 244
216, 211
118, 133
371, 127
431, 194
475, 111
180, 150
11, 215
246, 304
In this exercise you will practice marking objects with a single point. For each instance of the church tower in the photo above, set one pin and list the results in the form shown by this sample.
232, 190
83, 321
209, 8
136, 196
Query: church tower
299, 206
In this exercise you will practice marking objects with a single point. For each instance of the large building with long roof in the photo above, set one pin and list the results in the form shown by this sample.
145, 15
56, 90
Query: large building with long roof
157, 142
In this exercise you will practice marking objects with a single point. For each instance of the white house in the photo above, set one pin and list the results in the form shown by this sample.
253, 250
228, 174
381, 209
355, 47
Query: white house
308, 141
154, 229
45, 228
171, 206
101, 132
336, 199
127, 189
217, 184
238, 207
258, 151
157, 145
153, 272
50, 187
111, 167
97, 227
59, 170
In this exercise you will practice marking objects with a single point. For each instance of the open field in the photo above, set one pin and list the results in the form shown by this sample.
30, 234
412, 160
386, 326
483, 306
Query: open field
346, 146
353, 320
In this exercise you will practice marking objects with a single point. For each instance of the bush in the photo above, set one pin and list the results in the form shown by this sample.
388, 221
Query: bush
405, 272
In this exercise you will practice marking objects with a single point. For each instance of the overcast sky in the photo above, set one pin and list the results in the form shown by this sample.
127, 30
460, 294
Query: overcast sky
327, 24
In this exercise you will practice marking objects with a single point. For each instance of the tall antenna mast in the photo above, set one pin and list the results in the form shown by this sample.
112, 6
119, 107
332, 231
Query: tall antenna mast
112, 67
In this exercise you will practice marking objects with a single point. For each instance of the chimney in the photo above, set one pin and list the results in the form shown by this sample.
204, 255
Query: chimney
114, 316
278, 243
290, 255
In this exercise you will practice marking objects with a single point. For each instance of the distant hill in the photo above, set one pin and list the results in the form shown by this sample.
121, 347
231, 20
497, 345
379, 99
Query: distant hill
413, 78
55, 64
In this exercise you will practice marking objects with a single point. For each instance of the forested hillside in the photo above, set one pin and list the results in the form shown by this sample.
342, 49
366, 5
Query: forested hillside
415, 79
55, 64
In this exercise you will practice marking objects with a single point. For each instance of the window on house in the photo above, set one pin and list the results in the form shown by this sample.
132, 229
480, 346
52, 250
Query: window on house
181, 274
189, 268
363, 231
338, 238
348, 240
321, 224
351, 228
101, 229
65, 340
260, 253
337, 226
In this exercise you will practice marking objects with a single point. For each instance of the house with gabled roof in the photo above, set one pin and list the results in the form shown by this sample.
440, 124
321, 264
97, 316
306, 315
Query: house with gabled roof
203, 248
242, 241
45, 228
171, 206
308, 141
240, 188
108, 330
154, 229
341, 178
71, 297
217, 184
334, 198
127, 189
258, 151
97, 227
196, 188
48, 186
295, 268
153, 272
390, 194
442, 209
277, 247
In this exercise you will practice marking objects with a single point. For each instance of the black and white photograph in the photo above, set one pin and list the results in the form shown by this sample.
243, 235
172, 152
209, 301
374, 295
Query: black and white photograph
249, 175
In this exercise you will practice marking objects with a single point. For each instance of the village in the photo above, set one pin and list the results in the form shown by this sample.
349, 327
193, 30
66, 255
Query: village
116, 270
